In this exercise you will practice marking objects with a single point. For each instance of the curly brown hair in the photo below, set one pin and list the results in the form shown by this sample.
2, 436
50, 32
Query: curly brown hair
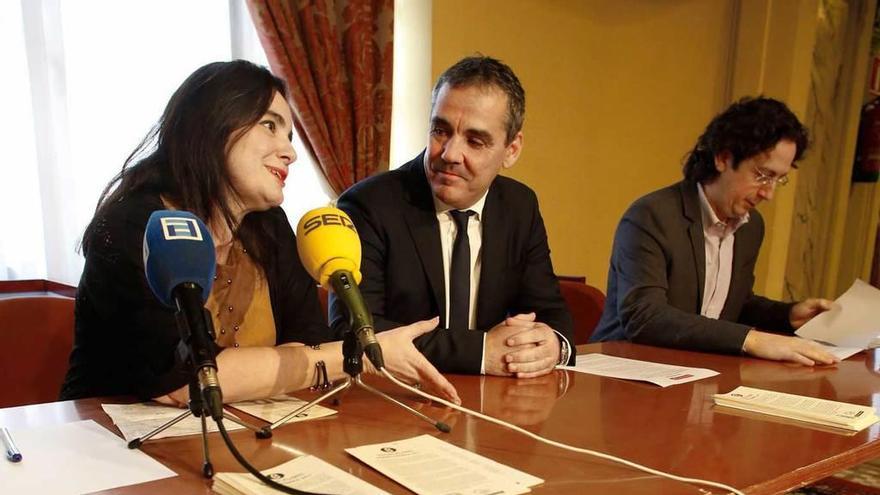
749, 127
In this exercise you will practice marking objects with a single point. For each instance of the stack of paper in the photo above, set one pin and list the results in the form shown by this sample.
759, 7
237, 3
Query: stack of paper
306, 473
808, 409
429, 466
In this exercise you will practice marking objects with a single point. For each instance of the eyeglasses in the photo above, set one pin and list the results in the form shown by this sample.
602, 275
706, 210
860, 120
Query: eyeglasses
764, 178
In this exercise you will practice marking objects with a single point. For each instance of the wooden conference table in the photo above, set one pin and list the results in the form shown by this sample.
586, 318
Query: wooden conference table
676, 429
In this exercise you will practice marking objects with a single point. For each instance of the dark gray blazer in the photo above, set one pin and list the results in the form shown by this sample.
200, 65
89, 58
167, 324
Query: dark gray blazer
403, 265
657, 274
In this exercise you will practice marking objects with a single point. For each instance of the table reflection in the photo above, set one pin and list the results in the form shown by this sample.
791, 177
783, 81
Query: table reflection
523, 402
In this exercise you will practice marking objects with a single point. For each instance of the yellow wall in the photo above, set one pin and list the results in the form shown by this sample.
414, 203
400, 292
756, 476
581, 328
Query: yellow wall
773, 56
617, 91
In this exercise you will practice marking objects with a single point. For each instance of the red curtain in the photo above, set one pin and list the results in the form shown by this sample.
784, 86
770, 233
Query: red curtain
336, 57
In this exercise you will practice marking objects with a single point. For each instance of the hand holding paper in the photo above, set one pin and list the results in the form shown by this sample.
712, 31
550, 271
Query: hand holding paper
807, 309
851, 322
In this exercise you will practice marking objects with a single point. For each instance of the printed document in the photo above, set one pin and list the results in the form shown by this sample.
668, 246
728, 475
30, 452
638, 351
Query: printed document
306, 473
853, 322
663, 375
136, 420
74, 458
275, 408
429, 466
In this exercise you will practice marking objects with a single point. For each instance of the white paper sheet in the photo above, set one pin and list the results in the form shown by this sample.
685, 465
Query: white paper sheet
136, 420
854, 321
663, 375
74, 458
429, 466
488, 465
841, 353
275, 408
306, 473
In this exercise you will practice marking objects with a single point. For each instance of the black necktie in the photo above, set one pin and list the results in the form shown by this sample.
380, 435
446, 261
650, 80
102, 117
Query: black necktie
460, 273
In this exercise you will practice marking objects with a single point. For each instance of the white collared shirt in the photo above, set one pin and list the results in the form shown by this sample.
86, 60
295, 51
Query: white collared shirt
448, 232
718, 240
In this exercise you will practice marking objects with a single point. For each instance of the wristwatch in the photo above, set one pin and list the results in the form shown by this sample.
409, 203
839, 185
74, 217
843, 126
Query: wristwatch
564, 351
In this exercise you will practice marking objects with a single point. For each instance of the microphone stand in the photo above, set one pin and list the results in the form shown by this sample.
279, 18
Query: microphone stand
352, 364
199, 408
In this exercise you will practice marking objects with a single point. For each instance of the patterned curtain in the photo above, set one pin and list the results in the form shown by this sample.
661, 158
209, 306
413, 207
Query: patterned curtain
336, 57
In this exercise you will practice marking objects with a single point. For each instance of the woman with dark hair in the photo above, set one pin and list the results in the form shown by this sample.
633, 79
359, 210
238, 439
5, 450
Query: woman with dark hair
221, 150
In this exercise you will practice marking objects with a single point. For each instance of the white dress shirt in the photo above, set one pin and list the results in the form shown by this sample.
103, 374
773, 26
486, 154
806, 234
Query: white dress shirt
718, 239
448, 231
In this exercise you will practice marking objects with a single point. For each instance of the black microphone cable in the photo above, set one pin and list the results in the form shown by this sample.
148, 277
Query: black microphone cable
251, 469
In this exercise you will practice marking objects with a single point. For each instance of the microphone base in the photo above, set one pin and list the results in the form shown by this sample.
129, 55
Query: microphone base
352, 364
357, 381
441, 426
199, 409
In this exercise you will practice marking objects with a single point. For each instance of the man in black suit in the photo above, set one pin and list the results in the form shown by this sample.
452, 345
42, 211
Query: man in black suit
446, 227
682, 265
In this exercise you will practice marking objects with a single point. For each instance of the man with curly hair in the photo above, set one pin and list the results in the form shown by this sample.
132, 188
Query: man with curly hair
682, 265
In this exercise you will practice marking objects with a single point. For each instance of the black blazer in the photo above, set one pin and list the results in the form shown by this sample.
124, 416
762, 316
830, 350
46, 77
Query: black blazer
126, 342
403, 267
657, 274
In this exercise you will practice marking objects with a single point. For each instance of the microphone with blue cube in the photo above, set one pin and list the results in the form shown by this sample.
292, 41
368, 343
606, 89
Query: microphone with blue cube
178, 249
180, 263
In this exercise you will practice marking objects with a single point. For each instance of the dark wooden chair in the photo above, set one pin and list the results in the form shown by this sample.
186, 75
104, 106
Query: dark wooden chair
36, 336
